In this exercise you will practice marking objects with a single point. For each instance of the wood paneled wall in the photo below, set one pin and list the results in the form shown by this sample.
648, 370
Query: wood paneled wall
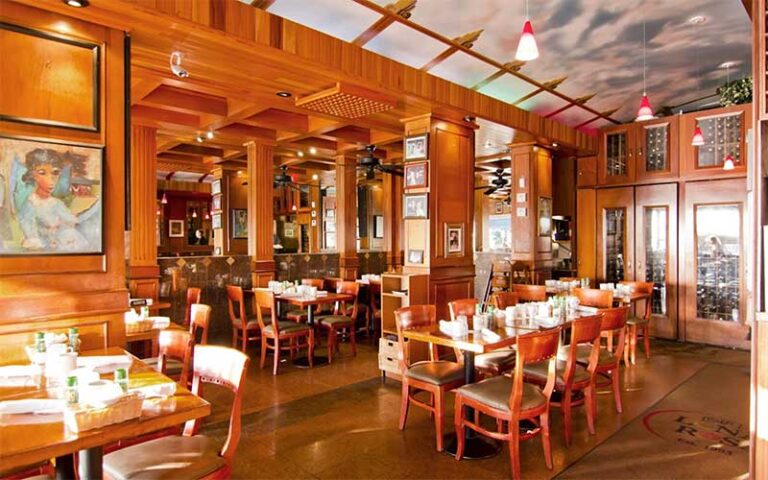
260, 242
55, 292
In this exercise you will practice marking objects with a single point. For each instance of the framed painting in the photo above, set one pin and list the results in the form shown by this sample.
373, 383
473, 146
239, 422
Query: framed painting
51, 198
378, 226
216, 187
416, 175
66, 90
239, 223
175, 228
454, 239
416, 257
216, 220
416, 206
416, 147
216, 203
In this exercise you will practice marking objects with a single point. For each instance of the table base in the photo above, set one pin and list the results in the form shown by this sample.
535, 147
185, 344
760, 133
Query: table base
303, 362
475, 447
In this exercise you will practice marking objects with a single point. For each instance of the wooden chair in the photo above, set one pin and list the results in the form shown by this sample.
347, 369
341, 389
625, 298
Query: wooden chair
190, 455
340, 320
614, 322
487, 364
592, 297
511, 400
530, 293
280, 331
200, 320
193, 296
502, 300
241, 324
568, 279
175, 349
299, 314
434, 376
572, 377
464, 306
521, 273
637, 324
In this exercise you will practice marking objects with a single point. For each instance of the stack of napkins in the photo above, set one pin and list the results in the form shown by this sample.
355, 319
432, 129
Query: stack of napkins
453, 328
490, 335
19, 375
39, 406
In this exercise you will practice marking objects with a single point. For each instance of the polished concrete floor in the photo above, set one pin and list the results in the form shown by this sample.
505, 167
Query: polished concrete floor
685, 416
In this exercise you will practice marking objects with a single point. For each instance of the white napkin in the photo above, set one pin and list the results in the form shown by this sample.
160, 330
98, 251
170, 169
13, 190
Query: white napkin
18, 375
100, 393
105, 363
165, 389
453, 328
490, 335
160, 323
38, 406
586, 309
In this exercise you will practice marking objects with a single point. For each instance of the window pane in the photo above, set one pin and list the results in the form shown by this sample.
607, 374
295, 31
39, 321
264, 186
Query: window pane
718, 276
656, 148
656, 256
722, 136
615, 228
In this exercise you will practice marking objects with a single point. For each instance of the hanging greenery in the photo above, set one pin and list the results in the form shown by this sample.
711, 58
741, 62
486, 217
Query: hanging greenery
736, 92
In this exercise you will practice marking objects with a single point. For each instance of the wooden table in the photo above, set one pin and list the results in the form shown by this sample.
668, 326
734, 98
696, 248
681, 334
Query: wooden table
309, 304
475, 446
32, 439
151, 336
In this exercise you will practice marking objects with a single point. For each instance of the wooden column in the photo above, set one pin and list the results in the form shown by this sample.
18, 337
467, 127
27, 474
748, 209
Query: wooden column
451, 156
143, 271
346, 216
531, 177
220, 234
393, 221
260, 241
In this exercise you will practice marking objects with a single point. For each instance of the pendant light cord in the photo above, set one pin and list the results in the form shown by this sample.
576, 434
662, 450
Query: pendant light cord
527, 17
644, 87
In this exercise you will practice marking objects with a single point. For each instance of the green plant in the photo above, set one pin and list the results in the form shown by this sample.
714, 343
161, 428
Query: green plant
736, 92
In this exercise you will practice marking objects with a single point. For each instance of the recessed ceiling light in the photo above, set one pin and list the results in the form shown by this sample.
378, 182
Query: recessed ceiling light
76, 3
209, 134
300, 153
315, 176
283, 94
727, 65
312, 150
199, 139
697, 20
554, 144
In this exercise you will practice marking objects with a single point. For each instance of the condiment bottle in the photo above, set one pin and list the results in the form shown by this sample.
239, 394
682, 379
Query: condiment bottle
71, 393
74, 339
121, 378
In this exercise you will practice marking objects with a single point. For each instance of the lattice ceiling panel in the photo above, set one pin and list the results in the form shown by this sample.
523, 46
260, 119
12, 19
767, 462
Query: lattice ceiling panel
347, 101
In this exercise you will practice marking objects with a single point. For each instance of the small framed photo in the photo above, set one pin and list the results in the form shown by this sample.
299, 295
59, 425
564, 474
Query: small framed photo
216, 187
175, 228
416, 257
314, 222
416, 206
330, 213
454, 239
288, 231
545, 216
378, 226
416, 147
499, 207
314, 213
216, 220
416, 175
216, 203
239, 223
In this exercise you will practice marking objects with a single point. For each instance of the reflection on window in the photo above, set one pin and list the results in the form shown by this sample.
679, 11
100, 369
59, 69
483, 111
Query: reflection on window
718, 275
722, 136
656, 148
656, 256
615, 228
499, 232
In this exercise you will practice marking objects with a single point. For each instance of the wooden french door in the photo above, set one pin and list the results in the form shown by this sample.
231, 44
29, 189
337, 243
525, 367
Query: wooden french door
615, 234
713, 245
656, 253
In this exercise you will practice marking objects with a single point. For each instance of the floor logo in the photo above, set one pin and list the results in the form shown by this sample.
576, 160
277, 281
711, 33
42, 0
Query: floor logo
699, 430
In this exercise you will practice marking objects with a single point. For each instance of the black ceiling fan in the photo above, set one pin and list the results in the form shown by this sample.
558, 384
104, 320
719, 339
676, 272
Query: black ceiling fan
370, 163
282, 179
499, 184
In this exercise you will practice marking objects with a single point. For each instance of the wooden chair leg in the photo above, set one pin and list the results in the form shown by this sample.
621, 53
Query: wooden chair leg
291, 348
616, 388
404, 403
500, 425
514, 448
263, 351
234, 337
545, 438
331, 344
589, 404
565, 406
439, 414
245, 338
458, 421
276, 353
352, 340
647, 340
633, 344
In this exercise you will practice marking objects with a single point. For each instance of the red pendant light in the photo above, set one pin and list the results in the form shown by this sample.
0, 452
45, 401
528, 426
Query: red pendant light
645, 112
729, 163
698, 137
527, 49
164, 200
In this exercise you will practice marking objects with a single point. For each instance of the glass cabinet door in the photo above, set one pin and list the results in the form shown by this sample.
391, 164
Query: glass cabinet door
656, 253
616, 234
615, 243
722, 137
655, 148
718, 262
617, 154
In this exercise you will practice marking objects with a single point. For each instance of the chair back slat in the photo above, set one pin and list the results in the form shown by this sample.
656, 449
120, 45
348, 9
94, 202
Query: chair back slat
200, 320
531, 348
530, 293
592, 297
235, 296
464, 306
584, 330
615, 319
265, 301
176, 345
348, 288
313, 282
412, 318
502, 300
193, 296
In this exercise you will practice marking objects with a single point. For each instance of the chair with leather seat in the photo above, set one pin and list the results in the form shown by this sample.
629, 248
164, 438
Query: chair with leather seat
510, 400
530, 293
592, 297
491, 363
639, 324
193, 296
341, 321
175, 349
242, 325
573, 377
435, 377
297, 335
190, 455
608, 362
502, 300
300, 314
